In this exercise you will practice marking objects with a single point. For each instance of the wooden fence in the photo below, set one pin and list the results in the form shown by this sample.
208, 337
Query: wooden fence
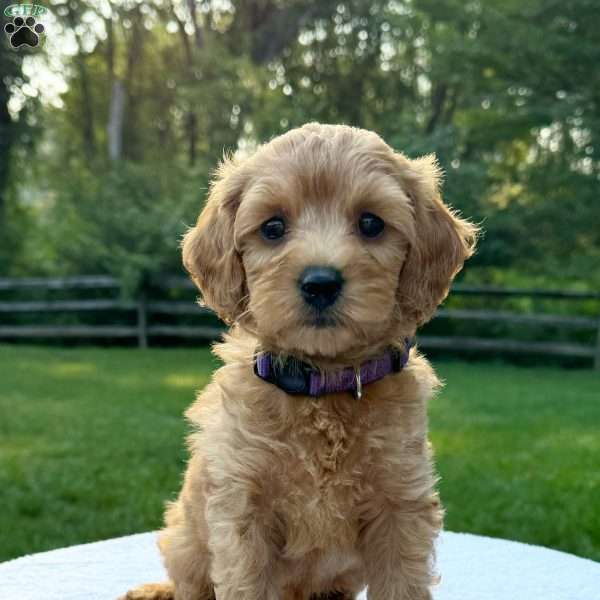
145, 309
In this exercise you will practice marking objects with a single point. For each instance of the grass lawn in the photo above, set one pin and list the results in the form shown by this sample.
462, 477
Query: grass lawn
92, 444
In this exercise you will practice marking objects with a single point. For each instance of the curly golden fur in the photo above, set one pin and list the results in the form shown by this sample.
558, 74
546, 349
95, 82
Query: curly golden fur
291, 498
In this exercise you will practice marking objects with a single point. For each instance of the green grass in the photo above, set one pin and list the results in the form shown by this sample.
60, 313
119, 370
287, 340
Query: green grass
92, 444
518, 450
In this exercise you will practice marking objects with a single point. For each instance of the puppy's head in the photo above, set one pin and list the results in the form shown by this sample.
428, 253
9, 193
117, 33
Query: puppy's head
325, 241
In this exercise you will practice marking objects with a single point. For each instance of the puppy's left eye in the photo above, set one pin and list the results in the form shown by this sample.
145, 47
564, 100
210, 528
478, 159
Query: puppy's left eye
370, 225
273, 228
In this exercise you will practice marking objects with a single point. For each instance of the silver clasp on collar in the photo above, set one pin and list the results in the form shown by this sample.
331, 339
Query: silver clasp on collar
358, 387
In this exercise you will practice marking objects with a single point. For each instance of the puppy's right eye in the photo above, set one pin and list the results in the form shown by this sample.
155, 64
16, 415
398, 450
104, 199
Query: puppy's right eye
273, 229
370, 225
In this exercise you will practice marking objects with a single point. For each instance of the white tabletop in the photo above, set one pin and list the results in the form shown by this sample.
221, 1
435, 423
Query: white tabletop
472, 568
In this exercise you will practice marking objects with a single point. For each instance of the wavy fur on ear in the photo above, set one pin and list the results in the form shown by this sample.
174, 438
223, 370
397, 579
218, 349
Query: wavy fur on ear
209, 252
442, 243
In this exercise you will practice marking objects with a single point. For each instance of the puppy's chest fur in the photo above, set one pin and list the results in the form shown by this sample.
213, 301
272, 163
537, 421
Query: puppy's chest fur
320, 488
305, 467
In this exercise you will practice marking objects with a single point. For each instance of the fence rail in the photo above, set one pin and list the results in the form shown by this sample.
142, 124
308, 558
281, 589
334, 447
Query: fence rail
145, 309
59, 283
486, 290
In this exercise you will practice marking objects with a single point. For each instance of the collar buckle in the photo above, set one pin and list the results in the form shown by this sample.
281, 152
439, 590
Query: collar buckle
358, 388
293, 376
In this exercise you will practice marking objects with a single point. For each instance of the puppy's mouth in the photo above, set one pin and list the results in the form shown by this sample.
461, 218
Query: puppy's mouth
321, 321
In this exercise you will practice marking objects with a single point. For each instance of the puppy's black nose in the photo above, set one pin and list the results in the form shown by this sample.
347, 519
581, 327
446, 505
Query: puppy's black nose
320, 286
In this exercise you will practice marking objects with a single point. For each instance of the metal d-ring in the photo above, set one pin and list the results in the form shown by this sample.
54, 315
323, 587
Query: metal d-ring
358, 390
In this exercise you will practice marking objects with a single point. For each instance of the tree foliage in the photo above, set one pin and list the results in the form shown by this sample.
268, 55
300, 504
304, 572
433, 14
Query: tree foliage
506, 93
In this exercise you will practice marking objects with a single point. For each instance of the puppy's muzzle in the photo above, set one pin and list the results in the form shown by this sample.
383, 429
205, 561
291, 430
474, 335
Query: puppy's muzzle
320, 286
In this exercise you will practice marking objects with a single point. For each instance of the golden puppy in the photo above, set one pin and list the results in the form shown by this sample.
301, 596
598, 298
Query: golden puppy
310, 473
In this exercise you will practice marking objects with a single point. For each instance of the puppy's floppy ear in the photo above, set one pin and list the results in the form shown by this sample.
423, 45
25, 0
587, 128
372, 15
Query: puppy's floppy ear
442, 242
209, 252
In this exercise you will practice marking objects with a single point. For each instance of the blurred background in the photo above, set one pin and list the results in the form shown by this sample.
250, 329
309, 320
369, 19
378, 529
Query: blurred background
109, 130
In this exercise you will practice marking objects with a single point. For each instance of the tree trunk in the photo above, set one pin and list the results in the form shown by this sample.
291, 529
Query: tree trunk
115, 120
192, 123
198, 38
132, 148
87, 111
116, 110
10, 68
269, 26
6, 139
438, 101
191, 119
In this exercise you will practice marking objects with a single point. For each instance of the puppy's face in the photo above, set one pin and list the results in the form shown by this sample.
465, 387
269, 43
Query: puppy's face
323, 233
326, 242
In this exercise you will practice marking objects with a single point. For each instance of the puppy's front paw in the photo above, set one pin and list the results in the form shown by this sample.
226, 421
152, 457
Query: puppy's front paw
151, 591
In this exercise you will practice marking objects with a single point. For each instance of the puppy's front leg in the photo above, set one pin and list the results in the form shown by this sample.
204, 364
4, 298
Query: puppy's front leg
242, 554
397, 546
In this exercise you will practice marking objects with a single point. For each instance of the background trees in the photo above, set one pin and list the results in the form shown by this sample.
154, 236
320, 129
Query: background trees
105, 175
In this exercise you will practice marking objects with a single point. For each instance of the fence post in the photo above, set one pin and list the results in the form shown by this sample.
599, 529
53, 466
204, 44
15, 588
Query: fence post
142, 321
597, 357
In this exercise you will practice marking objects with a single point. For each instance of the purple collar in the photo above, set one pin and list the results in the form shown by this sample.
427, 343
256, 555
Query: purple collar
297, 377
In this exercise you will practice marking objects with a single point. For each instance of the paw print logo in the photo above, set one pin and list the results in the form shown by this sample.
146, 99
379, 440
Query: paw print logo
24, 31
